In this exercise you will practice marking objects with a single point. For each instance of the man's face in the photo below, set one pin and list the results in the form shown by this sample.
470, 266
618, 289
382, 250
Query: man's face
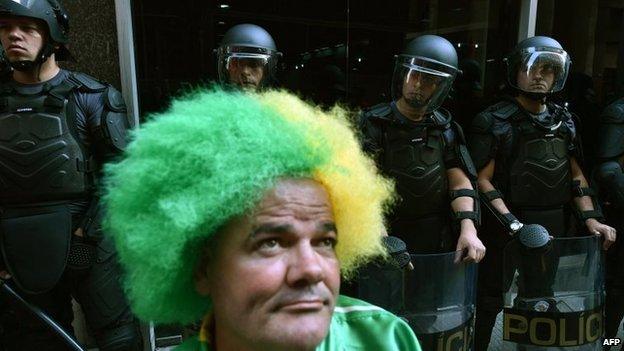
246, 72
418, 87
538, 79
274, 276
21, 38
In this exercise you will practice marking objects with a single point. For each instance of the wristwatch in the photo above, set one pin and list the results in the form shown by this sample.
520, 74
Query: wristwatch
513, 223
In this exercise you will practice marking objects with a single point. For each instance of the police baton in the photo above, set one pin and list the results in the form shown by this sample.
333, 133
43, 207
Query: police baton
41, 316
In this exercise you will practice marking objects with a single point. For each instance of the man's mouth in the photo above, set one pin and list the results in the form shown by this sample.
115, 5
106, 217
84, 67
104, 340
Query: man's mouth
15, 47
304, 305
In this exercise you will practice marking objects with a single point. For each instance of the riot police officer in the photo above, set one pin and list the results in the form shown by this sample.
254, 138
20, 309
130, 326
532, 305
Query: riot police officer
415, 142
526, 152
57, 128
247, 57
609, 175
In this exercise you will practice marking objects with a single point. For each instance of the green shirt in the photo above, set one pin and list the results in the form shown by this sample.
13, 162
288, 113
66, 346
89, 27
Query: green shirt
356, 325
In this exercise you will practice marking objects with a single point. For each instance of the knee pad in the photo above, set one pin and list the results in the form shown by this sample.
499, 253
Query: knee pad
122, 337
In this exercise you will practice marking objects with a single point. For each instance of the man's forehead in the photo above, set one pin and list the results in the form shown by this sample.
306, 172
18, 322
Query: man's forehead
21, 20
298, 190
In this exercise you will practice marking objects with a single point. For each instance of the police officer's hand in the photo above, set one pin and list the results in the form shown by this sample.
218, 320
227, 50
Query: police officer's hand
4, 275
607, 232
79, 232
469, 242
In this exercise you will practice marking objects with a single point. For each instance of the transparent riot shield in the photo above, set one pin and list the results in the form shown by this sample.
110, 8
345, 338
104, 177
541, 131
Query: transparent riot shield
436, 298
439, 301
554, 295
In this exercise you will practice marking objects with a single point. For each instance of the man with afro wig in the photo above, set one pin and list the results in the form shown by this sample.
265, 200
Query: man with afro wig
243, 210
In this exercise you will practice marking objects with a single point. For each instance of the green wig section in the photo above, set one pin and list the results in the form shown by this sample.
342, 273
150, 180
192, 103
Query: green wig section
210, 158
188, 170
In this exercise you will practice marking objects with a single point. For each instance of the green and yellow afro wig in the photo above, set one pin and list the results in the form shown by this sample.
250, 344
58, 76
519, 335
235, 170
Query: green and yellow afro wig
211, 157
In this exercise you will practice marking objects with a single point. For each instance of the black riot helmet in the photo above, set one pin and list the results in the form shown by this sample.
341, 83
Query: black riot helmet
537, 67
247, 57
424, 72
54, 15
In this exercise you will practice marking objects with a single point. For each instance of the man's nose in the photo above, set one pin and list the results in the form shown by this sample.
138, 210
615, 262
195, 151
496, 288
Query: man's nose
246, 70
305, 266
14, 33
537, 74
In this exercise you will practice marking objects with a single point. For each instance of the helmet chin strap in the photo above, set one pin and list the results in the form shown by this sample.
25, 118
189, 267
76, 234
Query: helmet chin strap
29, 65
539, 97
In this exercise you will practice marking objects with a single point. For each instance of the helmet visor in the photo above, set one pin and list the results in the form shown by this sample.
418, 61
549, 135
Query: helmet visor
422, 83
538, 69
249, 68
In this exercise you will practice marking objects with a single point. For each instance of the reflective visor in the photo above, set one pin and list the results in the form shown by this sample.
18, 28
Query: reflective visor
247, 67
538, 69
421, 82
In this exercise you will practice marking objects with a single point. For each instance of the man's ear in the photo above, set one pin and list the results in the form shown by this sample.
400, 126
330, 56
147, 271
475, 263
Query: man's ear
200, 277
201, 284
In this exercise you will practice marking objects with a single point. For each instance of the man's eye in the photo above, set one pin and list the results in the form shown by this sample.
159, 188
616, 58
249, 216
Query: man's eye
329, 242
268, 244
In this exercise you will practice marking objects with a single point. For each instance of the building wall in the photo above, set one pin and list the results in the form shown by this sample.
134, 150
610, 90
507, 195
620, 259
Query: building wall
93, 39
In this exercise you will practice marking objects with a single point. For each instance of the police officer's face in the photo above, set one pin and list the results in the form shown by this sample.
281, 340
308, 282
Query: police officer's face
418, 87
274, 276
538, 79
246, 72
21, 38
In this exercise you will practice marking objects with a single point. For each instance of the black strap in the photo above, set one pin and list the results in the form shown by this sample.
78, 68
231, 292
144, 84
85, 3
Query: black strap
86, 166
583, 191
509, 218
472, 215
59, 94
492, 195
596, 214
454, 194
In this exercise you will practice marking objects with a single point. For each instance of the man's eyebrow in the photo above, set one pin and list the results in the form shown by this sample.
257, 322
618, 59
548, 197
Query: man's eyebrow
325, 227
328, 227
271, 228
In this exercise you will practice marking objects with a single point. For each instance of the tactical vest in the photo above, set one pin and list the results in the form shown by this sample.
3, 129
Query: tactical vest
414, 157
539, 173
41, 159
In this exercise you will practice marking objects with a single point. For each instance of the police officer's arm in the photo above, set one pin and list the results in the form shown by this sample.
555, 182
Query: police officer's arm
108, 124
484, 181
464, 203
468, 239
483, 145
370, 137
585, 205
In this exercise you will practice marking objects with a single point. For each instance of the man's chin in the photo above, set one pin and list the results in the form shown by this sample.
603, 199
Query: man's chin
299, 335
302, 328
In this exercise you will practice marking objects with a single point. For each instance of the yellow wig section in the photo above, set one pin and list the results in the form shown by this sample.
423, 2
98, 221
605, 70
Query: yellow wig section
359, 195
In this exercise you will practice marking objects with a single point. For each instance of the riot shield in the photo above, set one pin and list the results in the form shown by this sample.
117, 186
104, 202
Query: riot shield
436, 298
554, 295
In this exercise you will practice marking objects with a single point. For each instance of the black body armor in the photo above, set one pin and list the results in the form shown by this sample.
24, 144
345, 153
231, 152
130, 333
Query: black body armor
46, 168
414, 155
40, 157
533, 170
417, 156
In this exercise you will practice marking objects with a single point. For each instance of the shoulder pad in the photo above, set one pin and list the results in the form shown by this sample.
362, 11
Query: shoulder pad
382, 110
503, 109
614, 113
441, 117
459, 131
114, 101
86, 83
482, 122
